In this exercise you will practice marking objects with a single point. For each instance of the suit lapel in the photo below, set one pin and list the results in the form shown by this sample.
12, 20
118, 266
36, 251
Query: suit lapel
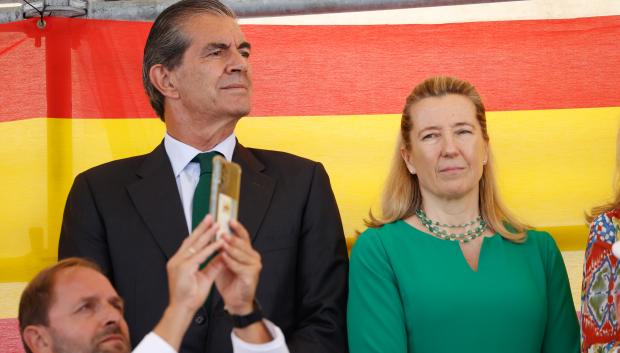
156, 197
256, 192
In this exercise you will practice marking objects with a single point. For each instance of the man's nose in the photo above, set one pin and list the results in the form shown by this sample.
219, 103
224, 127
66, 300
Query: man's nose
112, 315
237, 62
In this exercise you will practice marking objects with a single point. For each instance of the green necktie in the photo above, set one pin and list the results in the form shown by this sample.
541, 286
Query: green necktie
202, 197
202, 194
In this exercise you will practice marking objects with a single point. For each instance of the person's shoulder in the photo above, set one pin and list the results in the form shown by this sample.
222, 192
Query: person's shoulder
290, 169
538, 238
542, 242
114, 174
273, 157
376, 236
383, 231
367, 245
604, 220
126, 165
538, 235
603, 227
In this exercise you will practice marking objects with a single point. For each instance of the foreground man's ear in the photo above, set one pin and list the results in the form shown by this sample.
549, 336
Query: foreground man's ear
38, 339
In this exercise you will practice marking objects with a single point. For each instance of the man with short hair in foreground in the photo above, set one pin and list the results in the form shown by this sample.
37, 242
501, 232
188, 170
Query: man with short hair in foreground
71, 307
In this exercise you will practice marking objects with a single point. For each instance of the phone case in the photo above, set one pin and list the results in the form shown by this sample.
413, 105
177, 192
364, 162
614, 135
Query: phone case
225, 187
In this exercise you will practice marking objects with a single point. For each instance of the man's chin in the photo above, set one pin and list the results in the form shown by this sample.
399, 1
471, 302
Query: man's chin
114, 346
241, 112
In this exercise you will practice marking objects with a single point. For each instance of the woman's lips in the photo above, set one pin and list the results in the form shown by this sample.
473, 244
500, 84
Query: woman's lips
450, 169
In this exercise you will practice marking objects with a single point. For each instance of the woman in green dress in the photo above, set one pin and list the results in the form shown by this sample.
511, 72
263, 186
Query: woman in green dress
446, 268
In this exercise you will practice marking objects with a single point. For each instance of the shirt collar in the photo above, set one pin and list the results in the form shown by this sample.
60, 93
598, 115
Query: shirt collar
181, 154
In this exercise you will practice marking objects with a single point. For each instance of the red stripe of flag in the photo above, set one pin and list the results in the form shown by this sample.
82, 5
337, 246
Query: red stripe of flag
320, 70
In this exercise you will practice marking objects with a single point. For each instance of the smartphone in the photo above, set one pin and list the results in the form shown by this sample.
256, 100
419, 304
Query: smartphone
225, 188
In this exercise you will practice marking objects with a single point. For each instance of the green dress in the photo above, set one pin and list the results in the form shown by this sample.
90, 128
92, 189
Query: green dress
412, 292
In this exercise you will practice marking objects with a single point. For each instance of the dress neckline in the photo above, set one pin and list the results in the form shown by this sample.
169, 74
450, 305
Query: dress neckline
457, 247
407, 225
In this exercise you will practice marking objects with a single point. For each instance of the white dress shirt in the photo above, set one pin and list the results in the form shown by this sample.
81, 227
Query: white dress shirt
187, 173
152, 343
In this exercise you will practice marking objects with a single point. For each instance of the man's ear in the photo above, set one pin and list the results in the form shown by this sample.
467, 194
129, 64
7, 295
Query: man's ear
163, 80
38, 339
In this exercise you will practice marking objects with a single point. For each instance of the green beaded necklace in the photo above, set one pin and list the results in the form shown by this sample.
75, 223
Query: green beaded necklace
437, 229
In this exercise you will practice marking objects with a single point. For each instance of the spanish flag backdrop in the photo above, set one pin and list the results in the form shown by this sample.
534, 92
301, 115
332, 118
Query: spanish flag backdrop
71, 98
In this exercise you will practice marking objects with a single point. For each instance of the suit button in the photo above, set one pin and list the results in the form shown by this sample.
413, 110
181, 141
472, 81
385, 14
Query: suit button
199, 319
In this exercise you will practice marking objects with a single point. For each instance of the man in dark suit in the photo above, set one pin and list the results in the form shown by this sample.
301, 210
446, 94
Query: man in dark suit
131, 215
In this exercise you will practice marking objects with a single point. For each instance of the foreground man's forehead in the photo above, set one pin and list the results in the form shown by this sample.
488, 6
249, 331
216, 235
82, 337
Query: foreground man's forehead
76, 284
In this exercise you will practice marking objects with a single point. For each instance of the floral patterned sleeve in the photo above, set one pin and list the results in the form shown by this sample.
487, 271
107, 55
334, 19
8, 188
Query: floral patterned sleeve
599, 325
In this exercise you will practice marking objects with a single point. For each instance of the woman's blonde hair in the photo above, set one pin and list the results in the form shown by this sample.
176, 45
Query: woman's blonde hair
401, 195
615, 204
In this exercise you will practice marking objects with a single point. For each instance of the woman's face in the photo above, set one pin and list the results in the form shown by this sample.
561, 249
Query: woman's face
448, 151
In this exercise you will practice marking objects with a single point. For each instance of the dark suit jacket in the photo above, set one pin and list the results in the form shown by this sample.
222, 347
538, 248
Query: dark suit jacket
127, 216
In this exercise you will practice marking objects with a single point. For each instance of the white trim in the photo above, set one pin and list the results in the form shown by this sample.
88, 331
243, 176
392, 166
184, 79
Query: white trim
500, 11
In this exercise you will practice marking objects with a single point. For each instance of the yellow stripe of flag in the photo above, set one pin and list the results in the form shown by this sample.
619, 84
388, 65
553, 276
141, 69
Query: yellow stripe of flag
552, 166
